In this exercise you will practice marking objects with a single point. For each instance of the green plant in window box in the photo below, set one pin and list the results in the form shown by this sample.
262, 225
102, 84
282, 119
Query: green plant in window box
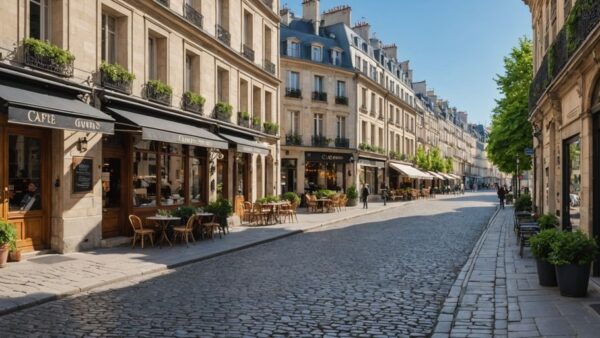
270, 127
256, 121
224, 109
245, 116
159, 87
47, 50
194, 99
116, 72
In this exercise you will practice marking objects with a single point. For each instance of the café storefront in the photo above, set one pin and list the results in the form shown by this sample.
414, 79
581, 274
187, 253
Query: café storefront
371, 172
49, 157
327, 170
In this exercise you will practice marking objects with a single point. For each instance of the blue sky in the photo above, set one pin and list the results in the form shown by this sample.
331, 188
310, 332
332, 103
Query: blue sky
458, 46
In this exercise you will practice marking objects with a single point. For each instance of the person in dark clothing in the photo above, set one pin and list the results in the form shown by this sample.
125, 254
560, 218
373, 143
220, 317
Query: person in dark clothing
365, 192
501, 196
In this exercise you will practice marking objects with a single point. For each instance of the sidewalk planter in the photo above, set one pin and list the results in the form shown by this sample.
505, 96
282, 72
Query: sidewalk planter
541, 246
352, 195
572, 253
14, 256
8, 237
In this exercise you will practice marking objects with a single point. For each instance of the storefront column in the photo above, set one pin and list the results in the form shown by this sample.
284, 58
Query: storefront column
587, 139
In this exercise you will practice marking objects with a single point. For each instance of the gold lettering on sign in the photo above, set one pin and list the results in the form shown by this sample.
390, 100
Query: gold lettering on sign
87, 124
44, 118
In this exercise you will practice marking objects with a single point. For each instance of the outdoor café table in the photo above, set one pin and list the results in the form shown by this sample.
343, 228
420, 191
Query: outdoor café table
323, 202
274, 211
163, 223
526, 230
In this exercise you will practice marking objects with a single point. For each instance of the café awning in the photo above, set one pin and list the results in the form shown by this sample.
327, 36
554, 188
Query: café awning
436, 175
456, 177
244, 145
411, 172
44, 107
159, 129
446, 176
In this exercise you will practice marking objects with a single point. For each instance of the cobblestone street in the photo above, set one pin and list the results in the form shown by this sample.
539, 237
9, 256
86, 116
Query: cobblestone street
386, 274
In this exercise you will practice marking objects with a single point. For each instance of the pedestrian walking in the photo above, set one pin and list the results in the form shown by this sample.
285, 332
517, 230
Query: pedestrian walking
501, 196
365, 192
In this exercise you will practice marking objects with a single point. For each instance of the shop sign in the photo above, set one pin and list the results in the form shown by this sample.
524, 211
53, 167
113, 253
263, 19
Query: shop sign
169, 137
371, 163
83, 174
327, 157
57, 121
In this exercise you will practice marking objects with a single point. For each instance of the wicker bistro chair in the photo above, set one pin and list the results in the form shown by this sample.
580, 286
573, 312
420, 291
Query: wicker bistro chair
343, 202
248, 212
311, 203
139, 231
185, 231
288, 211
208, 228
334, 204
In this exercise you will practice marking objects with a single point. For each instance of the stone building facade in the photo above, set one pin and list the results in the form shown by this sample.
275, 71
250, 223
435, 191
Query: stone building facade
564, 105
149, 141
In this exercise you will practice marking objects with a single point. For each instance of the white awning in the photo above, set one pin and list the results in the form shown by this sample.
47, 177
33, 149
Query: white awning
456, 177
436, 175
446, 176
411, 172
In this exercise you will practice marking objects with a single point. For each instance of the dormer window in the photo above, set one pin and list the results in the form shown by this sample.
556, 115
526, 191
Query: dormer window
316, 53
336, 57
293, 48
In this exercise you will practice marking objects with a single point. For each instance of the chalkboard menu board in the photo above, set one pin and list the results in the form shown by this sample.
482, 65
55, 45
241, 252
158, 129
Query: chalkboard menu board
83, 173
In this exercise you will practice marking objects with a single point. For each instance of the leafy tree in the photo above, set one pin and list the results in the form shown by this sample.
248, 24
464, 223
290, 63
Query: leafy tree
436, 160
448, 164
422, 159
511, 131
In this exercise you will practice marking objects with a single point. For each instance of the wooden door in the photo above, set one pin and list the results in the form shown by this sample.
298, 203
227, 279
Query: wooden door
113, 190
26, 184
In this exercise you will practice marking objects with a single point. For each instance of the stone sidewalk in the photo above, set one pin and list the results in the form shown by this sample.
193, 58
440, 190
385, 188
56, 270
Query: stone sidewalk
497, 294
48, 277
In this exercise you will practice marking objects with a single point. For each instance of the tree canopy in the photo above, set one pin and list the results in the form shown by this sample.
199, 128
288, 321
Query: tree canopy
511, 131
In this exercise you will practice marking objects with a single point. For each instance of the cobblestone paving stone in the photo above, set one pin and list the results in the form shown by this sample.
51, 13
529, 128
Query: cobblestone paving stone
384, 275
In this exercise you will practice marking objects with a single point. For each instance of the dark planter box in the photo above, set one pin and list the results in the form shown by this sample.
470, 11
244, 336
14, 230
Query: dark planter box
546, 273
573, 279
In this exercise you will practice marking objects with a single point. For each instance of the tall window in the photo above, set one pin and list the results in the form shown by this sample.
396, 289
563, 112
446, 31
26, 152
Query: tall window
340, 128
341, 89
318, 125
363, 131
293, 49
222, 85
365, 67
373, 99
318, 87
39, 19
293, 80
188, 73
357, 62
152, 51
317, 53
364, 98
336, 57
294, 122
109, 39
372, 134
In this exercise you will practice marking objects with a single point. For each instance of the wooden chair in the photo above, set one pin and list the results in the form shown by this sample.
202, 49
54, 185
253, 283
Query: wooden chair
208, 229
185, 231
247, 216
139, 231
311, 203
334, 204
343, 202
289, 211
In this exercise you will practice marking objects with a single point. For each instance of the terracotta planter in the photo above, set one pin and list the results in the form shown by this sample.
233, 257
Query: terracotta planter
4, 249
546, 273
14, 256
573, 279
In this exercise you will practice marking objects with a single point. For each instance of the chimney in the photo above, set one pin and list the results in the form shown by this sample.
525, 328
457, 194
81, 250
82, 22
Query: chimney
338, 14
363, 30
285, 16
391, 51
310, 12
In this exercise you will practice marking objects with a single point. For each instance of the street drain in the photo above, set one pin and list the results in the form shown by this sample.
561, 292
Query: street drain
596, 307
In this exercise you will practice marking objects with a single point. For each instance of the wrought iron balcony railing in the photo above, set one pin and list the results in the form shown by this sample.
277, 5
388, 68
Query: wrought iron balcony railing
165, 3
293, 140
341, 142
341, 100
243, 120
319, 96
119, 85
223, 35
154, 95
188, 105
580, 23
192, 15
320, 141
47, 63
248, 52
269, 66
293, 92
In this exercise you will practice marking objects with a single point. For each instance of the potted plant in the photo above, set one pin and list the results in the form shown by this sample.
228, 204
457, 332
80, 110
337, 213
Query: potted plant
193, 102
352, 195
509, 198
159, 91
116, 77
185, 212
256, 122
547, 221
541, 246
292, 197
221, 208
572, 253
8, 238
223, 111
14, 255
523, 203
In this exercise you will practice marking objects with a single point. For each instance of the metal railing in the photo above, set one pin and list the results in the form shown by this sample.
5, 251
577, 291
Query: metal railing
155, 96
269, 66
319, 96
223, 35
118, 85
165, 3
293, 92
341, 142
320, 141
47, 63
248, 52
188, 105
192, 15
293, 140
341, 100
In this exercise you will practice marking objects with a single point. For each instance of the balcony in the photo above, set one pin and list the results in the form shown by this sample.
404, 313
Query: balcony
158, 92
269, 66
46, 60
248, 52
165, 3
223, 35
243, 119
119, 85
580, 23
293, 140
320, 141
341, 142
188, 104
293, 92
319, 96
192, 15
343, 100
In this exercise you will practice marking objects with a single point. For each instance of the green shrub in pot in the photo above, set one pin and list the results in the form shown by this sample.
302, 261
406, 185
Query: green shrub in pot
292, 197
547, 221
541, 247
8, 241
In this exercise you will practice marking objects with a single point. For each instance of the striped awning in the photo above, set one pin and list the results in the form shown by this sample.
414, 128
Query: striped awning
411, 172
